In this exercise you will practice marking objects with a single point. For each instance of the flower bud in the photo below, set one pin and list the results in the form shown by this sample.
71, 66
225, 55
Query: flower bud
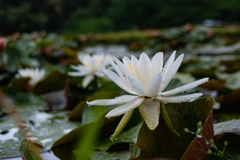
3, 44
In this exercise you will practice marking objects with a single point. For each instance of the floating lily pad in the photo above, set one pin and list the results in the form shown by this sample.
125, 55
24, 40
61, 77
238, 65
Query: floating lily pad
77, 112
228, 131
162, 143
216, 85
52, 82
47, 127
230, 102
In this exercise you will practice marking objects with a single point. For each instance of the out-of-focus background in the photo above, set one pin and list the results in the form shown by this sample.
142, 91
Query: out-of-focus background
49, 36
84, 16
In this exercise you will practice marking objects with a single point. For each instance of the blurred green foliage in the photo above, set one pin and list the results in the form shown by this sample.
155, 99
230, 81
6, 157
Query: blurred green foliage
84, 16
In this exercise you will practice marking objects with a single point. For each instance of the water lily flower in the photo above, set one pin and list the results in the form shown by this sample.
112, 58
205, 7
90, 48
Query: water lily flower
146, 80
35, 75
91, 66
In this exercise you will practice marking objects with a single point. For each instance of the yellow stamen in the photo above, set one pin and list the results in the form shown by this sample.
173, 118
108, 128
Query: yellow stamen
131, 69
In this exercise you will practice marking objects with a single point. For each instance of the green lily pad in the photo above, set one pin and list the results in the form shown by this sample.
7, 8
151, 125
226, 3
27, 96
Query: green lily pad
30, 150
47, 127
232, 80
232, 126
184, 77
162, 143
216, 85
226, 116
99, 155
20, 84
76, 114
52, 82
227, 131
229, 102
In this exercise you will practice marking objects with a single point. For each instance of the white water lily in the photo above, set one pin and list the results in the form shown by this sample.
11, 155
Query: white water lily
35, 75
146, 80
91, 66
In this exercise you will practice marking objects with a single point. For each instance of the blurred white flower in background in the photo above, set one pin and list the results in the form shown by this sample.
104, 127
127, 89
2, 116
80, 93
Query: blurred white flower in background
35, 75
91, 66
146, 80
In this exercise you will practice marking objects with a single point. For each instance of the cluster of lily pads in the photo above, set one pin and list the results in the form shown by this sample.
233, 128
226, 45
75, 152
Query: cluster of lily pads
50, 72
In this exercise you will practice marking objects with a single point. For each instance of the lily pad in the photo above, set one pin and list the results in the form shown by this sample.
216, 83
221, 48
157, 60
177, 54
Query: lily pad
77, 112
229, 102
232, 126
227, 131
52, 82
232, 80
47, 127
216, 85
162, 143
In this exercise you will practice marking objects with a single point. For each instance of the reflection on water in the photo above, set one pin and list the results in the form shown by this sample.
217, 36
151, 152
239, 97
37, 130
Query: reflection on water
8, 134
48, 155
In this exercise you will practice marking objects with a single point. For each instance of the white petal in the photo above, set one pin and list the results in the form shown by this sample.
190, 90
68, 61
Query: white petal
75, 67
145, 69
117, 100
125, 71
77, 74
168, 63
119, 72
87, 80
178, 99
99, 74
127, 59
135, 67
154, 85
81, 57
150, 110
87, 61
106, 61
136, 86
80, 68
127, 66
116, 79
125, 108
184, 87
157, 63
172, 72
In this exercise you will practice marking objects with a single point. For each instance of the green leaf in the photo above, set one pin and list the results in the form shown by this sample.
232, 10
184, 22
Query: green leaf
125, 119
216, 85
230, 102
99, 155
47, 127
162, 143
20, 84
126, 137
52, 82
68, 142
166, 119
77, 113
232, 126
30, 150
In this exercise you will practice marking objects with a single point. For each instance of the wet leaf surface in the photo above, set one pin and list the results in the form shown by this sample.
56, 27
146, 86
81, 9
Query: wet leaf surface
30, 150
162, 143
47, 127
